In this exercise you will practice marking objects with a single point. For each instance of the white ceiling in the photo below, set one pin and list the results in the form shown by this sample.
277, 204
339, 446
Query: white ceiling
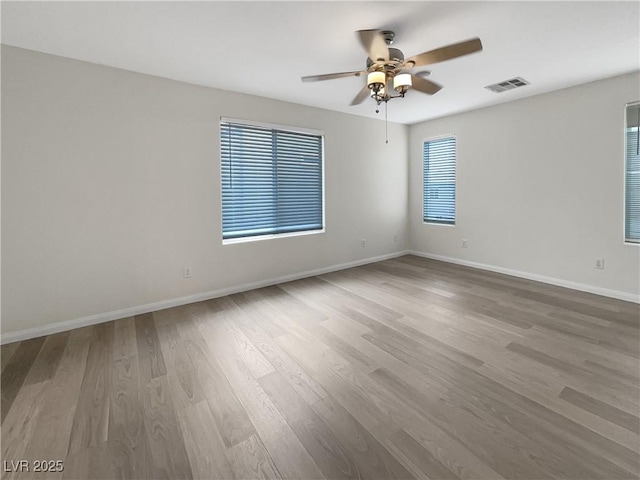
263, 48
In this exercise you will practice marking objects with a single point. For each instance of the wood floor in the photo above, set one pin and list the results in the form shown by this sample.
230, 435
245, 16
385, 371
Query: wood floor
407, 368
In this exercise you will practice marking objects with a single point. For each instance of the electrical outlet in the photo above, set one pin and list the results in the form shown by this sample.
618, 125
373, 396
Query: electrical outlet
363, 243
463, 243
599, 264
186, 272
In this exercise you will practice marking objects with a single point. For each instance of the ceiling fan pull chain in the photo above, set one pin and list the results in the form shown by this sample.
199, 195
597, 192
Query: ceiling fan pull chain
386, 123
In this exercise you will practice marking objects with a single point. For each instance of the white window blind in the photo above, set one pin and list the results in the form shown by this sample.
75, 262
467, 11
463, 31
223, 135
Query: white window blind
271, 181
439, 181
632, 177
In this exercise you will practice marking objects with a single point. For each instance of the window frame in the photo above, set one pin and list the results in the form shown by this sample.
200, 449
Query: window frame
625, 240
282, 128
455, 179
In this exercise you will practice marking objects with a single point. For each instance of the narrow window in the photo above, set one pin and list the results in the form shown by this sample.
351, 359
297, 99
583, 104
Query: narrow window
632, 174
439, 181
272, 180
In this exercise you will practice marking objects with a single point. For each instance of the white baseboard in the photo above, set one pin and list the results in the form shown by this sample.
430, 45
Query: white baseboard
174, 302
65, 325
629, 297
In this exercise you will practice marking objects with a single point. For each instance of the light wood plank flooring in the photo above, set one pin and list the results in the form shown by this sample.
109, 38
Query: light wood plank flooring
408, 368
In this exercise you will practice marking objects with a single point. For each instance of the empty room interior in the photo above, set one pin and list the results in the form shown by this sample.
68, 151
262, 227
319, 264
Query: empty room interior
320, 240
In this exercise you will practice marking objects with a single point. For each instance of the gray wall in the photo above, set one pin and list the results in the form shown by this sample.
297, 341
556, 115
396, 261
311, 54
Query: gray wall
111, 185
540, 186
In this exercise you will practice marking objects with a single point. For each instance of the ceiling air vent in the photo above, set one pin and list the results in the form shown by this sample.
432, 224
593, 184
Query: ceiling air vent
507, 85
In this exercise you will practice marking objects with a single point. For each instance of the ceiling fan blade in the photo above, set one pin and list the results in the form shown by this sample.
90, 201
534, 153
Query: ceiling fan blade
331, 76
445, 53
374, 44
425, 86
361, 96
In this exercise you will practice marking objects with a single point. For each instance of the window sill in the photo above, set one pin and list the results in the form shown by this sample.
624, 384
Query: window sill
439, 224
257, 238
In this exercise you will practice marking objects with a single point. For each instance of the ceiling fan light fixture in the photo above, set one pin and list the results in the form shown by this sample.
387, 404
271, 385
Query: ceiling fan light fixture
376, 79
379, 94
402, 83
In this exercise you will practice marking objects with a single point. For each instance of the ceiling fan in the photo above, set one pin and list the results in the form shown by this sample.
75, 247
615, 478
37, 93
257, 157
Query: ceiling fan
388, 70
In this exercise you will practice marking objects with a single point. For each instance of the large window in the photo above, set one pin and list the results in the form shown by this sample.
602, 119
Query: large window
632, 175
439, 180
271, 180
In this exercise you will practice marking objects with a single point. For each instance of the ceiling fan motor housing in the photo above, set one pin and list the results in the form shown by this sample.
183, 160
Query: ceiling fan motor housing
396, 57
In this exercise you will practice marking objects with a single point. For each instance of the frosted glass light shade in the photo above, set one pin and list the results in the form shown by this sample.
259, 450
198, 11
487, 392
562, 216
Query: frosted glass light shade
376, 78
402, 81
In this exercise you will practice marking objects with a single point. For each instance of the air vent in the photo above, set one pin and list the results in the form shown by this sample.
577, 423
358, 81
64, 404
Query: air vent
507, 85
